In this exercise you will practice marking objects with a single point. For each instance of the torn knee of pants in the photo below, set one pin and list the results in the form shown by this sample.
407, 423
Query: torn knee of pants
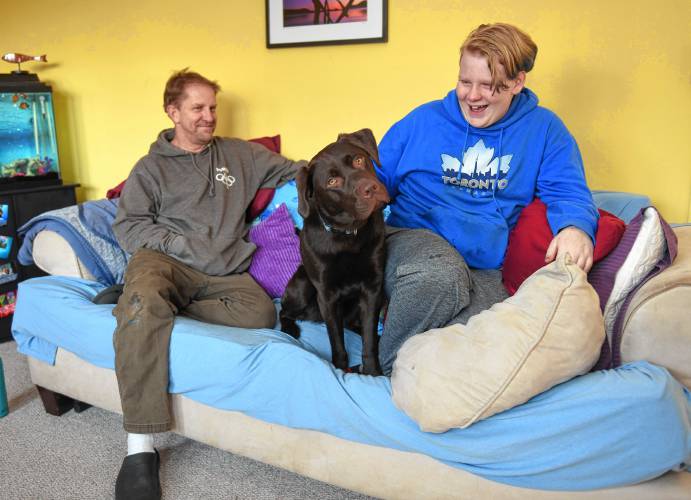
133, 308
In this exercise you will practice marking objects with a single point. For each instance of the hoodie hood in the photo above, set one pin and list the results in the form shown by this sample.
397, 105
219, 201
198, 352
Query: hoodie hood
521, 104
164, 147
203, 162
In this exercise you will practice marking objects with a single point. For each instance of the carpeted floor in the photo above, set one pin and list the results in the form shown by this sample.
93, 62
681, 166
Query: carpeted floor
78, 455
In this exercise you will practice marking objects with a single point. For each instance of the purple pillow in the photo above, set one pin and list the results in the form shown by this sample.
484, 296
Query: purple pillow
278, 251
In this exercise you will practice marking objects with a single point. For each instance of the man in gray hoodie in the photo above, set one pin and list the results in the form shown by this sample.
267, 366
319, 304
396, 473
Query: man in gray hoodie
182, 216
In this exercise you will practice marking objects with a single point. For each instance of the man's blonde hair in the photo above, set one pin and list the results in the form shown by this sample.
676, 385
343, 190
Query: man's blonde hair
176, 84
505, 45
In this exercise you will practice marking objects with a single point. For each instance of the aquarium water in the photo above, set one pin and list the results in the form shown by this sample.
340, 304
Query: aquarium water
27, 135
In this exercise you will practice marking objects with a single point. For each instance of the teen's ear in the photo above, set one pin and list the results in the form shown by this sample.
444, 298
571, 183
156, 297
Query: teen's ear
305, 191
518, 83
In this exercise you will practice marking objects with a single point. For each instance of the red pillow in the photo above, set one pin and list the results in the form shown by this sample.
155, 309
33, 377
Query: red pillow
261, 199
530, 238
264, 195
271, 143
116, 191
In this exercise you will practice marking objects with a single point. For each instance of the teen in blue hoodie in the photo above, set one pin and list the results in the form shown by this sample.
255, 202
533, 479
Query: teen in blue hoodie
463, 168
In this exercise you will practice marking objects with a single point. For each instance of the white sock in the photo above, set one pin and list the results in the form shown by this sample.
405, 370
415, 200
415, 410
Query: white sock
139, 443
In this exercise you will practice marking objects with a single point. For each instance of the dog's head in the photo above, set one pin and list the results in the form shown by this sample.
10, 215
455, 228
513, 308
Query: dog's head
339, 183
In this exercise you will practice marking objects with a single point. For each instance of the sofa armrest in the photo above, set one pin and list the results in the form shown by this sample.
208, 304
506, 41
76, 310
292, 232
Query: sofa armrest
656, 326
54, 255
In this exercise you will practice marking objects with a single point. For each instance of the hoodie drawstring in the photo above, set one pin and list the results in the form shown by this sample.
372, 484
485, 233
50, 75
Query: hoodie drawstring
465, 143
498, 157
210, 176
496, 180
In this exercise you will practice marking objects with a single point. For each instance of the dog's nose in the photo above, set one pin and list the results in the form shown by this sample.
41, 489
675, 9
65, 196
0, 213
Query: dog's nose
367, 189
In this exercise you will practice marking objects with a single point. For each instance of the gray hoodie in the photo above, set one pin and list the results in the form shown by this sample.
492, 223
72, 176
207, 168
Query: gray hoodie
192, 206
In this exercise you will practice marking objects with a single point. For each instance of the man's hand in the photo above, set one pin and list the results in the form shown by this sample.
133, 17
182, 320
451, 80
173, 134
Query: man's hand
576, 243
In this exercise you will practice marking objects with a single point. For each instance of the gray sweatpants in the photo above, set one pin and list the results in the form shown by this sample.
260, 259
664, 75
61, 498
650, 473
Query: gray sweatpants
429, 285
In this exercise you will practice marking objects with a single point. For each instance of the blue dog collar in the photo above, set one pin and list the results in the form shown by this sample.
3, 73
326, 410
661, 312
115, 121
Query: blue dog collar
329, 228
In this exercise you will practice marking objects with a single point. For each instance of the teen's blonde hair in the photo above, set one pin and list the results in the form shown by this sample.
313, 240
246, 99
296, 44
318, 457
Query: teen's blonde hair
502, 44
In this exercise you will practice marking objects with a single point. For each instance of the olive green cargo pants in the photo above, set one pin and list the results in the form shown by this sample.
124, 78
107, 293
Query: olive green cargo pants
157, 287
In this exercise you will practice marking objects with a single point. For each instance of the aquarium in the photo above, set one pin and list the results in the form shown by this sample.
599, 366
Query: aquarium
28, 146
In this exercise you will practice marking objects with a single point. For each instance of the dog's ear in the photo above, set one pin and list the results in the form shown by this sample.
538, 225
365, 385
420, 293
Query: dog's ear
305, 191
363, 139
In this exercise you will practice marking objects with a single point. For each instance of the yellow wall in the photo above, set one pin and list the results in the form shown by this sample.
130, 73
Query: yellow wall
616, 71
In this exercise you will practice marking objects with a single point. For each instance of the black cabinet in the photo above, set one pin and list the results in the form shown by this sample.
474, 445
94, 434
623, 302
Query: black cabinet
19, 206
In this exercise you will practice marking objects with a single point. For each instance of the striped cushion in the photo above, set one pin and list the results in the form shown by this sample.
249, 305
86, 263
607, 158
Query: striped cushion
278, 251
647, 246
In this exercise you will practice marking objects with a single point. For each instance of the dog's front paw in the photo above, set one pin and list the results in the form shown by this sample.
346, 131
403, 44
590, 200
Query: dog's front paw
340, 360
370, 366
290, 327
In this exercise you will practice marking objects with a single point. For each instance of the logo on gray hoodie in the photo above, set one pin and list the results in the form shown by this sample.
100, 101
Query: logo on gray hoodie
224, 177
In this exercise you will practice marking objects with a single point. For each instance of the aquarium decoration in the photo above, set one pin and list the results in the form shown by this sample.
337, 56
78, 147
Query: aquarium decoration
5, 246
7, 273
4, 213
7, 303
18, 59
28, 144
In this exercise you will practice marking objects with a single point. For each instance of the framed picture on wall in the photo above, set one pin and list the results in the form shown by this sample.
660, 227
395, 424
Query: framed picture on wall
295, 23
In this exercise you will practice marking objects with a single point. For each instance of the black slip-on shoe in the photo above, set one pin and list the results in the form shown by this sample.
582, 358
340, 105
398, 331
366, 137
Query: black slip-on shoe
138, 477
108, 295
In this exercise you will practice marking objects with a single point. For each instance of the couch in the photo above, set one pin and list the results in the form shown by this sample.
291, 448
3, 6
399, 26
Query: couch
655, 329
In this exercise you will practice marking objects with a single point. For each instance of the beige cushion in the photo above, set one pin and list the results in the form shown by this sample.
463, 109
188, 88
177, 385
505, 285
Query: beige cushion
550, 331
657, 324
53, 255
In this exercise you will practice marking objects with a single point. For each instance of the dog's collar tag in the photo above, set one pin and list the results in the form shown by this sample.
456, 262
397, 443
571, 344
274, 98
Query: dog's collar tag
329, 228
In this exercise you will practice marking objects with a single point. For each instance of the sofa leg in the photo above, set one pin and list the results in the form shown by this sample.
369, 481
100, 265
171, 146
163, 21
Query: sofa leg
79, 406
55, 403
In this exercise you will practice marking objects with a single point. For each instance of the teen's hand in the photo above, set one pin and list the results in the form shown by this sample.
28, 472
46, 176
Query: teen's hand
576, 243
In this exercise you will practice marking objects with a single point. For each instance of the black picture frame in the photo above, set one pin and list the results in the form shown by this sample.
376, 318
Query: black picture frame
309, 27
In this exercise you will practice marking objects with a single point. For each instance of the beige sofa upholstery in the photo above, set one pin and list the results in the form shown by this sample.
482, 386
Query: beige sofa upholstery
54, 255
372, 470
657, 324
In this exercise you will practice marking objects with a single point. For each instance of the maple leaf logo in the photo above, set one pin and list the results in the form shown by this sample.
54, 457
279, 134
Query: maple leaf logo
479, 159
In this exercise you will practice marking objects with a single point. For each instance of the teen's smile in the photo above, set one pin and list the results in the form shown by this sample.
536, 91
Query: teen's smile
481, 104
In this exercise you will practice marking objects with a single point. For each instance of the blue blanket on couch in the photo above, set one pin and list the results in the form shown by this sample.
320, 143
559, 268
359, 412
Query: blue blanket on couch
87, 227
603, 429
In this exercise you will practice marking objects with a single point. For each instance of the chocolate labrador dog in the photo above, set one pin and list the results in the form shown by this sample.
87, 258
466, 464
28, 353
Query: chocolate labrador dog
342, 244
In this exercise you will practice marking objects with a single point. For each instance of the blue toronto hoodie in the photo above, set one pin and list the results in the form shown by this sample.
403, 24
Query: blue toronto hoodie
470, 184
